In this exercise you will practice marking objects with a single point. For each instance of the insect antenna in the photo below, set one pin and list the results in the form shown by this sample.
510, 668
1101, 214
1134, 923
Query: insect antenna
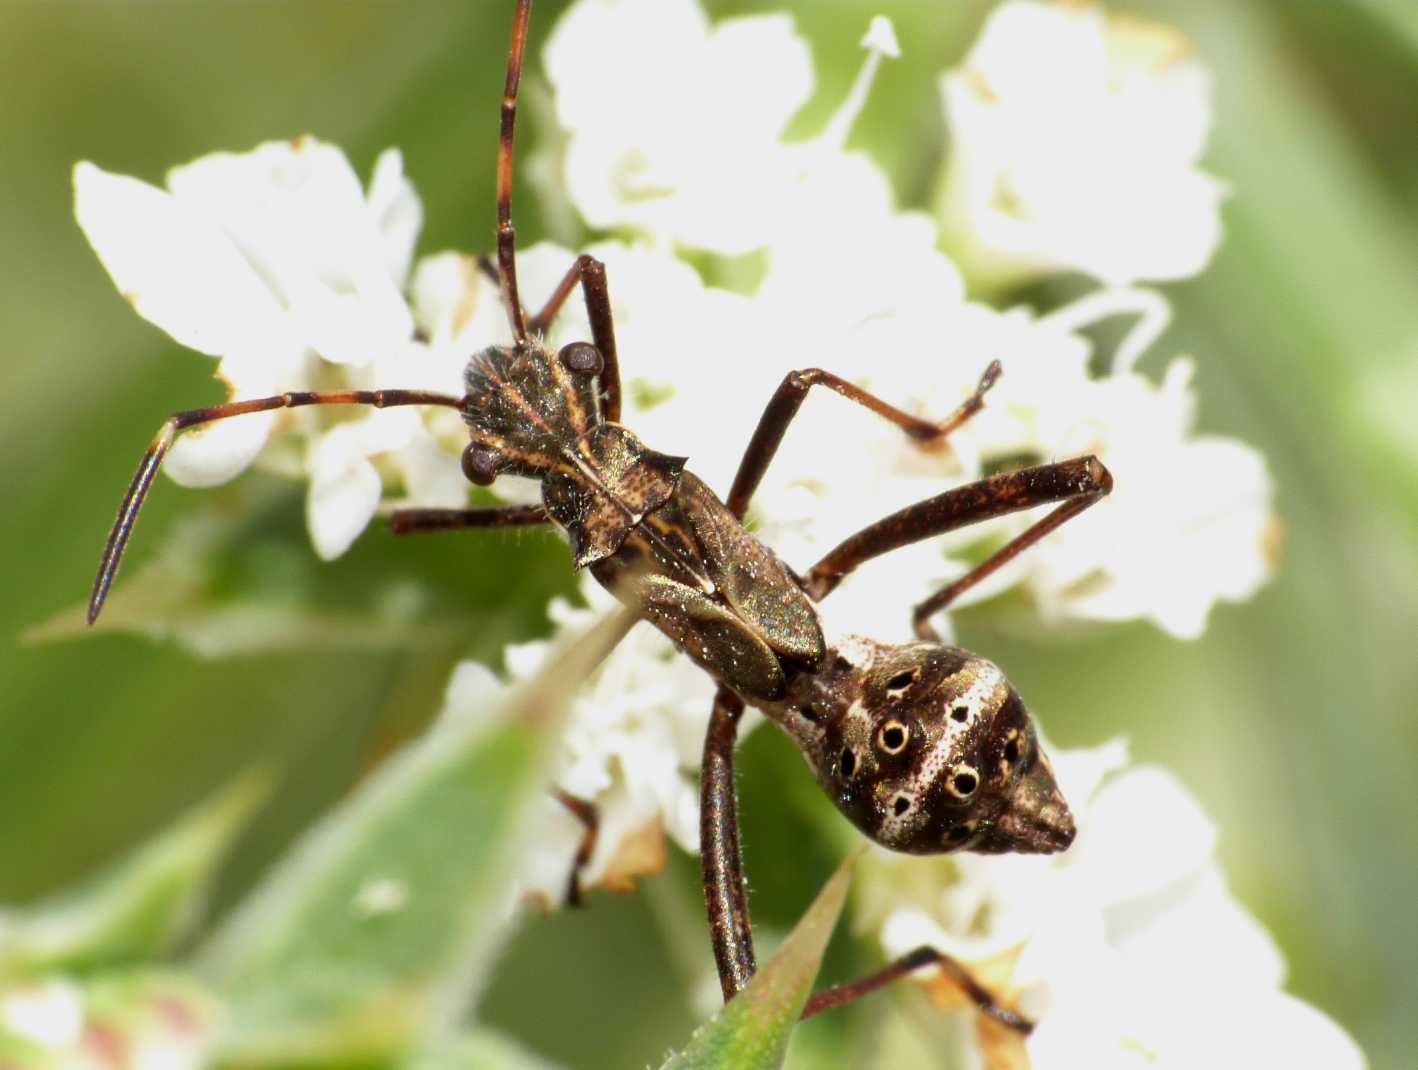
152, 460
506, 234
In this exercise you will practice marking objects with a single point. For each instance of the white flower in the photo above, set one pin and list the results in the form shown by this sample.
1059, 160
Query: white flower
147, 1020
276, 262
1074, 145
631, 748
1189, 522
1127, 951
683, 143
49, 1013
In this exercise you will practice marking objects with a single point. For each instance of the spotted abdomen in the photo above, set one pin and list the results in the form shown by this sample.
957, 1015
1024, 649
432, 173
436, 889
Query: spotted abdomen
927, 748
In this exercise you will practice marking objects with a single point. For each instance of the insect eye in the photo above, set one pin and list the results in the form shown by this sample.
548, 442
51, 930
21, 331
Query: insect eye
958, 834
480, 464
1011, 751
581, 358
892, 737
963, 782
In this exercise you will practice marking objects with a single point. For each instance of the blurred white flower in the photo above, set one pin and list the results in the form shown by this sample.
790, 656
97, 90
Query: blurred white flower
632, 748
1074, 141
148, 1020
1190, 521
1127, 951
49, 1013
681, 140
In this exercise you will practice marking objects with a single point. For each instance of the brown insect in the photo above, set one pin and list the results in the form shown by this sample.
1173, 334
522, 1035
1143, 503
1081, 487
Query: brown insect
927, 748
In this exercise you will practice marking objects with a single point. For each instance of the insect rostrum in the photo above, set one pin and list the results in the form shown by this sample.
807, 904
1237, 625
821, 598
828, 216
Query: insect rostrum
925, 747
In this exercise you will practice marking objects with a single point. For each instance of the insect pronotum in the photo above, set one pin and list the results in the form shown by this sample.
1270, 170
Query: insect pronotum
926, 748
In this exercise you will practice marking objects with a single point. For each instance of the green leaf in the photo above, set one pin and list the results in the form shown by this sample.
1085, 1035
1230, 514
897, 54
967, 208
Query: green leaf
238, 577
138, 907
753, 1028
481, 1049
20, 1053
383, 921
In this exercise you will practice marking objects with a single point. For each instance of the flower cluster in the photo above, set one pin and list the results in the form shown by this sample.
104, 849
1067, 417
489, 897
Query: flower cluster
1076, 156
277, 263
1117, 947
1075, 137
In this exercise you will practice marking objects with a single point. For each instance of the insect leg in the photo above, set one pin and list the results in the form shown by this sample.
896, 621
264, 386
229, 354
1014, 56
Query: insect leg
838, 995
788, 398
591, 274
590, 819
506, 234
720, 852
167, 434
411, 521
1076, 483
488, 267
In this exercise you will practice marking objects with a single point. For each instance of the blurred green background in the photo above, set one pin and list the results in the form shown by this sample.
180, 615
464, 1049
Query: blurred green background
1295, 720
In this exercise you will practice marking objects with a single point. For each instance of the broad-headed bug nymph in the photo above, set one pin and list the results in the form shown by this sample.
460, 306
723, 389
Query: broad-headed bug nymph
925, 747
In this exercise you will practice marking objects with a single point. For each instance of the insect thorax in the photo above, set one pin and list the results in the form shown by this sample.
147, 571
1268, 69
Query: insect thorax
653, 534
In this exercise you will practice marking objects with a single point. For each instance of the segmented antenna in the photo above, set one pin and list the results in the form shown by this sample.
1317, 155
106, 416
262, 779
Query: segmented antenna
167, 434
506, 234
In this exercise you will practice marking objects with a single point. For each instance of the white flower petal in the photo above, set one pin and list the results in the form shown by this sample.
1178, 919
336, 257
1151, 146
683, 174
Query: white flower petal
343, 495
177, 270
1178, 934
545, 872
672, 161
473, 691
48, 1013
296, 211
432, 476
1074, 144
458, 308
1122, 854
398, 213
210, 454
775, 75
1279, 1031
